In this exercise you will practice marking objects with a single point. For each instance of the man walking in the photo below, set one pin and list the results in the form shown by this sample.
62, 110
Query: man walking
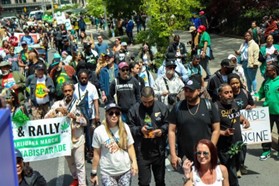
149, 127
67, 107
191, 120
205, 49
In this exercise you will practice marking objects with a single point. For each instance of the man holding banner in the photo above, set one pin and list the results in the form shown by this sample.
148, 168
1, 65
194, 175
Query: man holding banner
270, 91
68, 107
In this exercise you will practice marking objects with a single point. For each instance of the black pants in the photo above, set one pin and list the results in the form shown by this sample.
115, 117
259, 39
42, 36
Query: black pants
273, 119
230, 163
130, 37
157, 164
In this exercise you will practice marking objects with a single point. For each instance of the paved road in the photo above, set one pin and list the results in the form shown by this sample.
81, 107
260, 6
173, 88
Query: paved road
260, 172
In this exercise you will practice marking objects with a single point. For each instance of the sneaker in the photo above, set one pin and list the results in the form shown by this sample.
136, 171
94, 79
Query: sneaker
74, 182
238, 173
243, 169
265, 155
277, 155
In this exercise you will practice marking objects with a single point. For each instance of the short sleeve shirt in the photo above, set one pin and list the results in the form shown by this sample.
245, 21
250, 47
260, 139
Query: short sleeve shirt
243, 99
112, 163
205, 38
192, 127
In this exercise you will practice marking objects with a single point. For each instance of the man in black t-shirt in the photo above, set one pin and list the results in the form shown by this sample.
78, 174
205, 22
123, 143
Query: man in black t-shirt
230, 119
191, 120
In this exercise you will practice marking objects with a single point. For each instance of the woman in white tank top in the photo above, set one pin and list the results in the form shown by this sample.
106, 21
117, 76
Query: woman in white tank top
205, 172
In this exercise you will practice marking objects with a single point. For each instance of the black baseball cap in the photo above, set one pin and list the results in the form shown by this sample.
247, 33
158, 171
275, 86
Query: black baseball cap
111, 106
18, 154
192, 84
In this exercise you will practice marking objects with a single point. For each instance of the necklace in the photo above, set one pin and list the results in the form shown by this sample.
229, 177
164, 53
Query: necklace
195, 111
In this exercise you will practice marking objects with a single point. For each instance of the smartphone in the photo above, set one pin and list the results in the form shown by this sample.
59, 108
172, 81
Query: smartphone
149, 128
232, 130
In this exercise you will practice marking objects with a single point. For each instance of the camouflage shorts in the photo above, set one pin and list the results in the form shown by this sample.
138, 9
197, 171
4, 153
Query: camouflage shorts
40, 111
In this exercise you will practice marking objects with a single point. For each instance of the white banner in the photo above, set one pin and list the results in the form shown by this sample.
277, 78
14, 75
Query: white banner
43, 139
259, 130
68, 24
60, 17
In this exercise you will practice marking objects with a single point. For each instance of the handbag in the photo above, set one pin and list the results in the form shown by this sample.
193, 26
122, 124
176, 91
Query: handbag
172, 98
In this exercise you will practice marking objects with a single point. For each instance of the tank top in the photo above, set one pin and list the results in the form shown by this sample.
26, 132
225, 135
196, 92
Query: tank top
198, 181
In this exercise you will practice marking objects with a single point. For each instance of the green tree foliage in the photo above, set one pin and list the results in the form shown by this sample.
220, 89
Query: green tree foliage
234, 17
96, 7
123, 8
165, 16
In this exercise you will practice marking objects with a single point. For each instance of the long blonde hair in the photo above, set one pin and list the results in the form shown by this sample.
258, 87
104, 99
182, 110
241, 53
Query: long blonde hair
123, 141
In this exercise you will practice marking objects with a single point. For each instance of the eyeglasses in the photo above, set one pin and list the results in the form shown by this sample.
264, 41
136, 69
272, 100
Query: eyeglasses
111, 113
199, 153
125, 70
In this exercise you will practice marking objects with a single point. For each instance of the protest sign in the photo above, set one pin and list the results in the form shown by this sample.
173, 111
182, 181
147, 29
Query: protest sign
60, 17
7, 155
68, 24
43, 139
259, 130
35, 36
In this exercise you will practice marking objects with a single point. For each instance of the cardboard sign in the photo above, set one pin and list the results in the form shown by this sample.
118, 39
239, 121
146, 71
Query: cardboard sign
43, 139
259, 130
35, 37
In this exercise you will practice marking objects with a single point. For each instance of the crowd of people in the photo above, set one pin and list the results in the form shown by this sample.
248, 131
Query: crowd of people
197, 118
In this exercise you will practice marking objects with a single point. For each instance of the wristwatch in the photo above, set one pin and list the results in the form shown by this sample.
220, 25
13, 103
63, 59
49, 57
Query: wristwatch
185, 179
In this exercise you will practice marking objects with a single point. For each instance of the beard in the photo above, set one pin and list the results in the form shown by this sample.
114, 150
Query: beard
68, 98
192, 99
83, 83
227, 101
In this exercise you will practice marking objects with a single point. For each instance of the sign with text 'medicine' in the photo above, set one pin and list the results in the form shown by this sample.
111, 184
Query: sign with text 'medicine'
259, 130
43, 139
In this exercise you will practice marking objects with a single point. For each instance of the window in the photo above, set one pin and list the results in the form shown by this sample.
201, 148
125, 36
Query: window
6, 1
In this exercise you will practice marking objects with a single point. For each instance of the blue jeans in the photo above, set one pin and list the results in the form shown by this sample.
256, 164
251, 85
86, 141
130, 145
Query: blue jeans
250, 74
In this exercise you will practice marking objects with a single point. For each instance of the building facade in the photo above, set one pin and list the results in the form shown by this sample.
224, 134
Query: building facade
13, 7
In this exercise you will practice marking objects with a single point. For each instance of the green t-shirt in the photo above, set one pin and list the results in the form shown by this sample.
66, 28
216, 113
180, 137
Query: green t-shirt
204, 37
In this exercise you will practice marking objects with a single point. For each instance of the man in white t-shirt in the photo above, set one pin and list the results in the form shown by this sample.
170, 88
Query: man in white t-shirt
86, 90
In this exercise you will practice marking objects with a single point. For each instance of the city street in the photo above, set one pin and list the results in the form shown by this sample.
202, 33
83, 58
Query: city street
260, 173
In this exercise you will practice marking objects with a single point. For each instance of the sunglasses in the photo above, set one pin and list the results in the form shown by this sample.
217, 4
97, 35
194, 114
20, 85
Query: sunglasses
199, 153
125, 70
111, 113
172, 67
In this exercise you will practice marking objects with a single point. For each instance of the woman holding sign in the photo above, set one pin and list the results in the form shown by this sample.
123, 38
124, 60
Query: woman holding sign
113, 150
243, 100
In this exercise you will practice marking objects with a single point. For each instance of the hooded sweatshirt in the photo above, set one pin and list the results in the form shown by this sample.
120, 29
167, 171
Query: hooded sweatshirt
127, 92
